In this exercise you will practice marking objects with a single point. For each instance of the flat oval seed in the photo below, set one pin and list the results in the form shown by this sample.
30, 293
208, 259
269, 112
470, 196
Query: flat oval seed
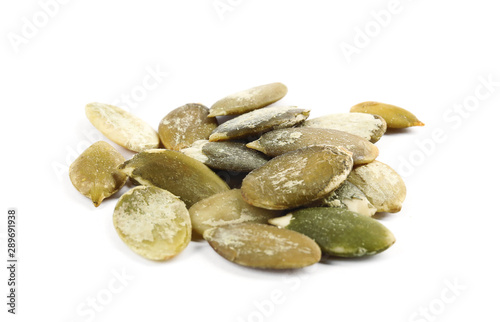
185, 125
122, 127
152, 222
248, 100
281, 141
183, 176
263, 246
349, 197
259, 121
226, 208
339, 232
368, 126
297, 178
233, 156
95, 172
383, 186
396, 117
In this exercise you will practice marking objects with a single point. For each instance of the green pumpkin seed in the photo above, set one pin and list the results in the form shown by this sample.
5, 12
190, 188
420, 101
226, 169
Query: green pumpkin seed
152, 222
263, 246
94, 173
183, 176
122, 127
249, 100
185, 125
281, 141
349, 197
226, 208
368, 126
258, 122
297, 178
383, 186
339, 232
233, 156
396, 117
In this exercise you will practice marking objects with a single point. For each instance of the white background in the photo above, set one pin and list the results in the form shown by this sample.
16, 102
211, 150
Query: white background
427, 56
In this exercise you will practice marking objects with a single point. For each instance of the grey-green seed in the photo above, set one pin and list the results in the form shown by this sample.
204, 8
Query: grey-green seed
263, 246
339, 232
248, 100
258, 122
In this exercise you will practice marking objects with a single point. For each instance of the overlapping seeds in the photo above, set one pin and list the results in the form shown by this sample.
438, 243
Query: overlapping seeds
308, 187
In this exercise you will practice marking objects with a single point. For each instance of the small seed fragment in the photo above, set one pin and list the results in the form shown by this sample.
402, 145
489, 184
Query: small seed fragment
297, 178
226, 208
281, 141
263, 246
152, 222
383, 186
339, 232
396, 117
183, 126
183, 176
122, 127
259, 121
95, 174
248, 100
349, 197
368, 126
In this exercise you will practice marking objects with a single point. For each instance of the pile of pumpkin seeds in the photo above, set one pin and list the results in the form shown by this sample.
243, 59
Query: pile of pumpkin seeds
309, 186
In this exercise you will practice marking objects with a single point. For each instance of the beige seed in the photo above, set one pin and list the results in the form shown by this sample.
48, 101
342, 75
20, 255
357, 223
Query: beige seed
152, 222
226, 208
263, 246
95, 172
281, 141
249, 100
122, 127
297, 178
383, 187
185, 125
396, 117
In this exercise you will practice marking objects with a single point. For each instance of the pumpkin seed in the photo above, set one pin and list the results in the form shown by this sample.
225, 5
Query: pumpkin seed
183, 176
368, 126
349, 197
396, 117
233, 156
152, 222
259, 121
339, 232
297, 178
248, 100
185, 125
281, 141
263, 246
383, 186
122, 127
226, 208
94, 173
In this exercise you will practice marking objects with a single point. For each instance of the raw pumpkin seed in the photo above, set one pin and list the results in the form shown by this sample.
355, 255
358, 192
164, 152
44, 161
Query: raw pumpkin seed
122, 127
226, 208
183, 176
368, 126
248, 100
152, 222
396, 117
185, 125
297, 178
339, 232
383, 186
349, 197
258, 122
281, 141
94, 173
263, 246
